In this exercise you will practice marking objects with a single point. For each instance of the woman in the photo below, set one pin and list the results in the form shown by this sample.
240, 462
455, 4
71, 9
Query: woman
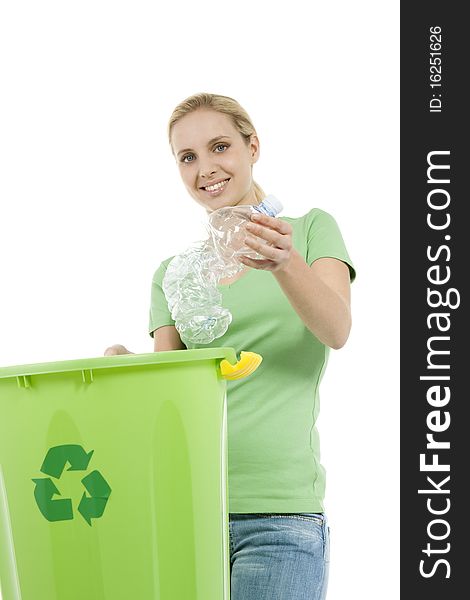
291, 307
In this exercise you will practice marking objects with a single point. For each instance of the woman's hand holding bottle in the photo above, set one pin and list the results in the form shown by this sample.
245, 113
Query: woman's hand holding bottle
272, 239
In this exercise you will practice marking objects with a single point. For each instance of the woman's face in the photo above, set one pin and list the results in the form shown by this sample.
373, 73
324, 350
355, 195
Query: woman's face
214, 160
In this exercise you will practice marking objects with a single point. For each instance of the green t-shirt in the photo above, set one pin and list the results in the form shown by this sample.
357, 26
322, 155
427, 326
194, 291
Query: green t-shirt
273, 444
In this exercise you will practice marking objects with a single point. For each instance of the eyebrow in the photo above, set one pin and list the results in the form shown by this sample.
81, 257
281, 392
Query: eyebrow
209, 143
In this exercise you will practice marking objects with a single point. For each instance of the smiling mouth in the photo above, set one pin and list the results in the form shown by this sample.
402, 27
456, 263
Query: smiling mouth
217, 186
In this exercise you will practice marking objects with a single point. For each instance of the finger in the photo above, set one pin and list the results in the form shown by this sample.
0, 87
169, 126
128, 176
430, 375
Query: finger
272, 223
263, 249
255, 263
273, 237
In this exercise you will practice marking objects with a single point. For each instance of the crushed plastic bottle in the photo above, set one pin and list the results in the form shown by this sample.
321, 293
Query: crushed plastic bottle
191, 278
195, 303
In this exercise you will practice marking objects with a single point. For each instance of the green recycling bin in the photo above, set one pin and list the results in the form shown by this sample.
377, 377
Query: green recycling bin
113, 477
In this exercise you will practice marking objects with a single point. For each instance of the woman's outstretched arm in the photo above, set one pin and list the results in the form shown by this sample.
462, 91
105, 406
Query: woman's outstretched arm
320, 293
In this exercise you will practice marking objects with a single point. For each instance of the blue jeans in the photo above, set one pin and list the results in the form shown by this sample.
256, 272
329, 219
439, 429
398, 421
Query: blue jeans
279, 556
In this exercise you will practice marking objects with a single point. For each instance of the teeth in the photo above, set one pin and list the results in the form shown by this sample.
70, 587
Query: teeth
217, 186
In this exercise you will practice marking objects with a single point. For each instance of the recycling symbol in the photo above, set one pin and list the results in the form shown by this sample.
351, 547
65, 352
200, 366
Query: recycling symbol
90, 507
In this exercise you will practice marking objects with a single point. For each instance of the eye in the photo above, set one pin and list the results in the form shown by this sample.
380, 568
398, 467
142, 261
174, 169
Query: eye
191, 156
221, 146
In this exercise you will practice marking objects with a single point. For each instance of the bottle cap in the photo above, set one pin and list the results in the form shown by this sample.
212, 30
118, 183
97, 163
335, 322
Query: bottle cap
273, 204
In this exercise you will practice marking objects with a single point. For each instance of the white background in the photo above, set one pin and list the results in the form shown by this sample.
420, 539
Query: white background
91, 200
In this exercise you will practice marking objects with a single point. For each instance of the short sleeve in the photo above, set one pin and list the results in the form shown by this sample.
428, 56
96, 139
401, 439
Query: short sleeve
159, 312
324, 240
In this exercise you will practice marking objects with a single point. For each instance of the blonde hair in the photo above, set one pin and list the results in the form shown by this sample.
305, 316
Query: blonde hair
227, 106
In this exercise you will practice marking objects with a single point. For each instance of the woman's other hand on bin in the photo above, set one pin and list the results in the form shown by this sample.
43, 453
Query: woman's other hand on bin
116, 349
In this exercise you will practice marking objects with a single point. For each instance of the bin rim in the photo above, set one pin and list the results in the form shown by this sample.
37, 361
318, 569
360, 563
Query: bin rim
121, 360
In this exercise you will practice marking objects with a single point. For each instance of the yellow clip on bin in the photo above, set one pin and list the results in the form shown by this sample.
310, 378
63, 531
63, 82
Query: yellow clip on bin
113, 477
249, 362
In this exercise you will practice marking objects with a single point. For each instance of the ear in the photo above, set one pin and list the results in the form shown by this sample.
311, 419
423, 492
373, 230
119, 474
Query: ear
254, 148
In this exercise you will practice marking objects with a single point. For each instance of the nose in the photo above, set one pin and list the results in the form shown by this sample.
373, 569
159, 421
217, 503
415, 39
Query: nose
207, 170
207, 174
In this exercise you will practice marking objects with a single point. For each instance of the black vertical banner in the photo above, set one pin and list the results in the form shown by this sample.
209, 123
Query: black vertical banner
435, 344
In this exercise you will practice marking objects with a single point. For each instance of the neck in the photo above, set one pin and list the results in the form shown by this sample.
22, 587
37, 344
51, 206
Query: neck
249, 198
